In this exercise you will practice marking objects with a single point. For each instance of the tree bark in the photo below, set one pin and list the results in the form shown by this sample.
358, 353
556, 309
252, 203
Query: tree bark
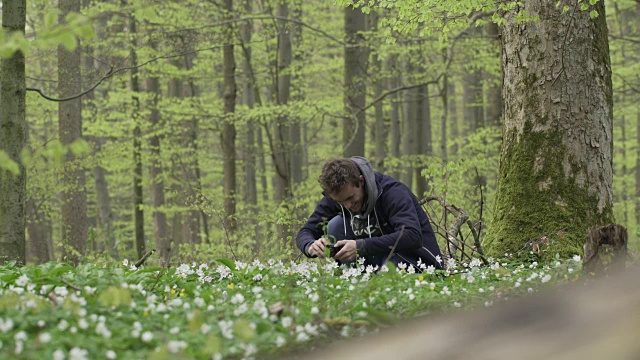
39, 247
425, 139
394, 116
356, 55
409, 127
494, 91
555, 176
74, 196
13, 138
138, 195
156, 174
228, 136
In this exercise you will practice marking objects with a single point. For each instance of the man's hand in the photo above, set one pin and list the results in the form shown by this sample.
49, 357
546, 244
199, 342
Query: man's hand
317, 248
348, 250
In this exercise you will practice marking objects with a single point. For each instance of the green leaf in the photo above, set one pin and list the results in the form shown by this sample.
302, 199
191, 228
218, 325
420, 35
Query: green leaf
115, 296
80, 147
228, 263
565, 9
243, 330
59, 270
7, 164
50, 18
196, 321
594, 14
68, 40
584, 7
212, 345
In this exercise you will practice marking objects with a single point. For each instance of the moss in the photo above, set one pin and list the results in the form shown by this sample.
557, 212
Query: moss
530, 206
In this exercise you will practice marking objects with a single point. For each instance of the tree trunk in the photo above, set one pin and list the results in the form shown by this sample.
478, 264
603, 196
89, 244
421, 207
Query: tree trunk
473, 100
444, 97
228, 136
138, 199
494, 93
194, 217
424, 141
380, 131
281, 130
161, 228
355, 71
555, 176
250, 193
39, 247
452, 116
637, 168
409, 127
394, 115
74, 196
13, 138
297, 149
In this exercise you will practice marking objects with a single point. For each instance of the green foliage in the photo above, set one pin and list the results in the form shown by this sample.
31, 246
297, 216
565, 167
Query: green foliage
9, 165
257, 310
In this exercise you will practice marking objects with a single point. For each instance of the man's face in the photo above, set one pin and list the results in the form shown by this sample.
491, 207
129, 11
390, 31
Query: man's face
351, 197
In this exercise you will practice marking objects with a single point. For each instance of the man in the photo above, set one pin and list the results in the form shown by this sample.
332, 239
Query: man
368, 213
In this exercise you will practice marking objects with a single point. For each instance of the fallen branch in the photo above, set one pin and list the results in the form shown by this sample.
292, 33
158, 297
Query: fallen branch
144, 258
71, 285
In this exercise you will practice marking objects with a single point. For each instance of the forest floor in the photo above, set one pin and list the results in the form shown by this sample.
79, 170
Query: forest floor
227, 309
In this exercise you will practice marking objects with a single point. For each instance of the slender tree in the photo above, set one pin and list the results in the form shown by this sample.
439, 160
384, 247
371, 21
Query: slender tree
228, 136
156, 173
138, 194
555, 177
13, 138
74, 196
355, 90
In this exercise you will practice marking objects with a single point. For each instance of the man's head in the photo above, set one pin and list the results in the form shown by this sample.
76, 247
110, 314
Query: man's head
342, 180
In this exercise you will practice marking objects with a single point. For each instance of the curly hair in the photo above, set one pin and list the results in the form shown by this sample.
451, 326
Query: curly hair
338, 172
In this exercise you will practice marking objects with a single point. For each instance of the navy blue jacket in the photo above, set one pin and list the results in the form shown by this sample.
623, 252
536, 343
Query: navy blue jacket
398, 213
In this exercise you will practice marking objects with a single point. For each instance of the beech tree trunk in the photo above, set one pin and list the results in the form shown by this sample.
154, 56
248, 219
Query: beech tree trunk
13, 138
156, 174
394, 115
228, 136
424, 142
555, 176
138, 195
74, 196
356, 55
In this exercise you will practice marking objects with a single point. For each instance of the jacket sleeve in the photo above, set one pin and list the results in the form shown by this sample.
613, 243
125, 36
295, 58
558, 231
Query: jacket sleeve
399, 209
315, 227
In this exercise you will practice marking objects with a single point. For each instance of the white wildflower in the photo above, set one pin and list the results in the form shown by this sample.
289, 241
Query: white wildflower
78, 354
147, 336
58, 355
475, 263
22, 280
111, 355
175, 346
44, 337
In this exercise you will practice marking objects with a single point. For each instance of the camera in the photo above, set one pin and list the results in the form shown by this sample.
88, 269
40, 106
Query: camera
333, 250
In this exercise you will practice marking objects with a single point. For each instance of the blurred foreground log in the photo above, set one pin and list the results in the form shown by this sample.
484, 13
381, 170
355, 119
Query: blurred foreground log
599, 320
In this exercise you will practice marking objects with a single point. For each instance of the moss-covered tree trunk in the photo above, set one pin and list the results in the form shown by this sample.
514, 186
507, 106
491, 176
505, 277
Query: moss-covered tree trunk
555, 174
13, 138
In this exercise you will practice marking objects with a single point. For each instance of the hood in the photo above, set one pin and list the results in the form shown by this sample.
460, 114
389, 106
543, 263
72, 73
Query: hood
370, 181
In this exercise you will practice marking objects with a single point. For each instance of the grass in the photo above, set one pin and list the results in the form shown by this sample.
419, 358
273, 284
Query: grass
227, 309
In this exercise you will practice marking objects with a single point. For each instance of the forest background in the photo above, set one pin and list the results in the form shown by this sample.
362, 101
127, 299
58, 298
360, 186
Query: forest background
202, 126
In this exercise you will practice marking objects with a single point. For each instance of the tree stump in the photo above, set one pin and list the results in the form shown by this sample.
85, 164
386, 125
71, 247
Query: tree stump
605, 249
